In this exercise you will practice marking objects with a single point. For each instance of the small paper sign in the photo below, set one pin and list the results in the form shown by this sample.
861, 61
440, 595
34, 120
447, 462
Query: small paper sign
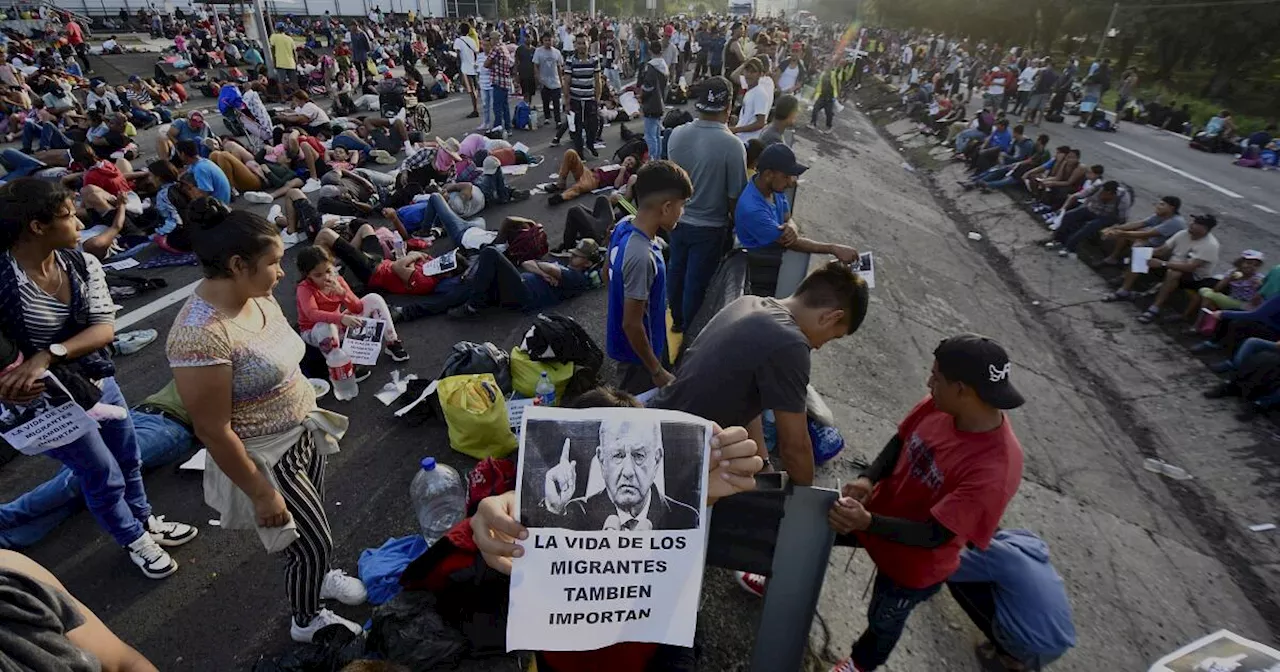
1138, 258
364, 342
866, 269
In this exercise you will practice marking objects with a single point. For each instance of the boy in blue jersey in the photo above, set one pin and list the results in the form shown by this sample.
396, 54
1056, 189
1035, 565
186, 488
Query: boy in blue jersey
636, 333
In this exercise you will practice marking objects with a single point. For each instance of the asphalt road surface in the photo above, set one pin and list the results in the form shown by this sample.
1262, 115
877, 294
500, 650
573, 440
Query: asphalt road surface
1150, 564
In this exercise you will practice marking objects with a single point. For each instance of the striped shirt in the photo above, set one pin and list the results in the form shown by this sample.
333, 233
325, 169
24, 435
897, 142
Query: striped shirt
45, 315
582, 76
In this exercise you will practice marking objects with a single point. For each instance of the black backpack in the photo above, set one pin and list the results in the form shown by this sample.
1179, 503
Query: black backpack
676, 118
560, 338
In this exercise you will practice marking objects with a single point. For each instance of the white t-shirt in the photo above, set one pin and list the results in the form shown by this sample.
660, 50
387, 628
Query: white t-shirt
466, 48
566, 38
997, 85
313, 112
756, 102
1184, 248
467, 208
787, 80
1027, 78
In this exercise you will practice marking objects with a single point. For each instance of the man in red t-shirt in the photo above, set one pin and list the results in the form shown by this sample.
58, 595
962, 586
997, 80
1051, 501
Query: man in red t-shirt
941, 483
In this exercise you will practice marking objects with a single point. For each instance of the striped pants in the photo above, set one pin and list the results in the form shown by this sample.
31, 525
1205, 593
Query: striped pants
300, 477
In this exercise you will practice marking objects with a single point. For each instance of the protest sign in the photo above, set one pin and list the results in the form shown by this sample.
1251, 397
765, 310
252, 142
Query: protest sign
364, 343
441, 264
1223, 651
52, 420
615, 503
1139, 258
866, 269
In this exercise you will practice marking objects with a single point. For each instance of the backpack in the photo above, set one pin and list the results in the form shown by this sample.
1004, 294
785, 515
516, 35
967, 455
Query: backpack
1054, 118
522, 119
560, 338
528, 243
636, 147
676, 118
468, 357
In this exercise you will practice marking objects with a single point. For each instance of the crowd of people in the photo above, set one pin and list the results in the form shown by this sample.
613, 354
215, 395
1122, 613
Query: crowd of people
688, 189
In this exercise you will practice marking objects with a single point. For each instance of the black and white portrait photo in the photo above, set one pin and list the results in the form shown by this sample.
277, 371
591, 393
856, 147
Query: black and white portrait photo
13, 416
623, 469
369, 330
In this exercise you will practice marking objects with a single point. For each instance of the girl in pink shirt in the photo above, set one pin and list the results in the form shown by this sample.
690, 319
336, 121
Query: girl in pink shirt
327, 307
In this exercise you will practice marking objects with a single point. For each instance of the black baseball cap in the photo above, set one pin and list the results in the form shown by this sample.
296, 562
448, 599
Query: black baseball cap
982, 364
715, 95
779, 157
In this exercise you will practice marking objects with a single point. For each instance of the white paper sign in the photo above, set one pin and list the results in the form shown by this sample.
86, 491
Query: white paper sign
866, 269
1138, 258
441, 264
1223, 651
615, 503
364, 343
515, 412
629, 104
51, 421
121, 265
572, 120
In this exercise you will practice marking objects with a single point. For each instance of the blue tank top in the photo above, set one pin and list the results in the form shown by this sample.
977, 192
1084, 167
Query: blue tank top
655, 321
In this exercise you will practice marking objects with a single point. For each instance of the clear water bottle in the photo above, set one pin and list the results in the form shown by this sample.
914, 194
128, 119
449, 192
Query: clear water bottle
544, 393
438, 497
342, 374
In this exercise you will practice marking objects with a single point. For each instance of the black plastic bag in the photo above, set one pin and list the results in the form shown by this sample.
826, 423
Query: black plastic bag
559, 338
409, 631
331, 649
469, 357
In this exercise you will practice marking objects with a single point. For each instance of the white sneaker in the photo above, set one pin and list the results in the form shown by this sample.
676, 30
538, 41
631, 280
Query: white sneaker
312, 184
275, 213
291, 239
168, 533
260, 197
150, 558
130, 342
348, 590
323, 619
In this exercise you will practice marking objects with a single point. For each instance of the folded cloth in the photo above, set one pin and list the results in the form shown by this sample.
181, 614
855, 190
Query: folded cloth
170, 259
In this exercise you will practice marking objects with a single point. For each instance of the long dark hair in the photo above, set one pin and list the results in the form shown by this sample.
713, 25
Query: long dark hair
25, 200
218, 234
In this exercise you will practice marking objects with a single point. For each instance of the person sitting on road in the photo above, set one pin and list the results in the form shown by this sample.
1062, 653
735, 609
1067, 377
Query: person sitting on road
1063, 180
1093, 181
1107, 206
1218, 135
1017, 599
532, 285
209, 177
1237, 290
192, 128
1008, 175
1251, 376
327, 307
307, 114
1018, 148
762, 220
1000, 139
1187, 259
1150, 232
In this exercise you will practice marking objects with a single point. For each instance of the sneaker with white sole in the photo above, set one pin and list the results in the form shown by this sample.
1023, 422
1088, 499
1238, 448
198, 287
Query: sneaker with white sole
260, 197
323, 619
129, 342
348, 590
291, 239
274, 213
396, 352
752, 583
311, 185
169, 533
150, 558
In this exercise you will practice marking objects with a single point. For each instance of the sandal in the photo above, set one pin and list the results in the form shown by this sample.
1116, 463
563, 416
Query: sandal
1115, 296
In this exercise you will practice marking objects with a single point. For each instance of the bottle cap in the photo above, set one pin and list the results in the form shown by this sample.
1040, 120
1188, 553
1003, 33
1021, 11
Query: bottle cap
428, 463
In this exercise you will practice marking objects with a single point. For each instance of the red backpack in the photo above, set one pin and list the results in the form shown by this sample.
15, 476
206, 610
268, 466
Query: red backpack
527, 244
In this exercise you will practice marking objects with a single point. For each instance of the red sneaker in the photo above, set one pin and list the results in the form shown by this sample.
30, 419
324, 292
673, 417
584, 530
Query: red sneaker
416, 245
752, 583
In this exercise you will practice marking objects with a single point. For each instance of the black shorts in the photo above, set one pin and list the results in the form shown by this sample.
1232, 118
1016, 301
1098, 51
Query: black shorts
333, 205
1189, 281
309, 219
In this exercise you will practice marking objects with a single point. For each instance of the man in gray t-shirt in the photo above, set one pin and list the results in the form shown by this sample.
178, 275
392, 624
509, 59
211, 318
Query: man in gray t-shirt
716, 161
1150, 232
755, 355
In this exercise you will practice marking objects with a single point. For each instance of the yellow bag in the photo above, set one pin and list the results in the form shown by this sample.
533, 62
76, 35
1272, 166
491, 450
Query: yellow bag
525, 374
476, 412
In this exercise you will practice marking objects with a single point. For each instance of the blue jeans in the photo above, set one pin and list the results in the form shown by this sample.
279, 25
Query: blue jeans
887, 614
1249, 348
1080, 224
17, 164
501, 109
965, 136
109, 468
48, 134
29, 518
695, 253
486, 108
653, 137
436, 212
351, 144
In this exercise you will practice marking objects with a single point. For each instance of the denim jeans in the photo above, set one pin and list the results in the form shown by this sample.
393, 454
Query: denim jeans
109, 468
494, 187
486, 108
653, 137
29, 518
695, 253
586, 124
48, 134
353, 144
496, 281
967, 135
1249, 348
887, 615
17, 164
1080, 224
437, 212
501, 108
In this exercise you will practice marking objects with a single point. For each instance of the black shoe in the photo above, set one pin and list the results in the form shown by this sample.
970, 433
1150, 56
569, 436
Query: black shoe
396, 352
555, 142
593, 151
519, 194
1223, 390
555, 199
463, 312
362, 372
473, 115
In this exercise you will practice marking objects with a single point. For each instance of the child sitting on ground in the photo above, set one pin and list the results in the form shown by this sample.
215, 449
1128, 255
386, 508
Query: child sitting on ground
327, 307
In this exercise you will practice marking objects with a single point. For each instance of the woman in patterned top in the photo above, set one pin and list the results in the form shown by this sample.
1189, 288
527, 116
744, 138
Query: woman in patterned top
235, 359
55, 306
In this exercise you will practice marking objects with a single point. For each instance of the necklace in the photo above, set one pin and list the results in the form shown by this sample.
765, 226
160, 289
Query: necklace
44, 281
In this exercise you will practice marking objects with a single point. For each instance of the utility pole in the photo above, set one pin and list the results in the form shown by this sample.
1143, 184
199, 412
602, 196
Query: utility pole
1111, 22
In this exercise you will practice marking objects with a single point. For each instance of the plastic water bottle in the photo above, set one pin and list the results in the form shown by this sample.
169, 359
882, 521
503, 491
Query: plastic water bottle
544, 393
342, 374
438, 499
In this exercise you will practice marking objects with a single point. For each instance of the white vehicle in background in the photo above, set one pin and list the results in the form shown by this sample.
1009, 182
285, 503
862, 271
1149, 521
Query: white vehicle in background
804, 19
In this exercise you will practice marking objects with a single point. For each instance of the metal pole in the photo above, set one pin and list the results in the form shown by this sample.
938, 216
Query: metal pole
1110, 22
259, 21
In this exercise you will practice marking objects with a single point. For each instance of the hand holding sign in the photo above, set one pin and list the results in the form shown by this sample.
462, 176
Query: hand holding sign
561, 481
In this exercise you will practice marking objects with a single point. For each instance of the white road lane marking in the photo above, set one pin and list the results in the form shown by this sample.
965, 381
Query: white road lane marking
1178, 171
1265, 209
147, 310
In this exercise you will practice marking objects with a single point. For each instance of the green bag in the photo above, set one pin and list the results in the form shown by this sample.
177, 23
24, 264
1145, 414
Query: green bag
476, 412
525, 374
